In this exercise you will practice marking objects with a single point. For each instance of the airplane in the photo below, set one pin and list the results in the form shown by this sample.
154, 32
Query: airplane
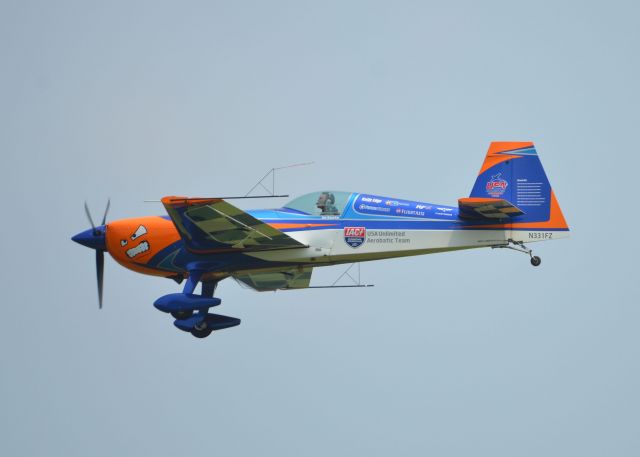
206, 240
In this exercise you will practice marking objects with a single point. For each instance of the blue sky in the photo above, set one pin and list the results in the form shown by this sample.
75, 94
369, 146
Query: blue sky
465, 353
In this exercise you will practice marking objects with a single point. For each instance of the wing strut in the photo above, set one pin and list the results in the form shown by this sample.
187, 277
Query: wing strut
355, 282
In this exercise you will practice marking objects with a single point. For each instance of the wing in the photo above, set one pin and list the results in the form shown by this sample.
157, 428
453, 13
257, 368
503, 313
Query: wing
295, 278
487, 208
213, 225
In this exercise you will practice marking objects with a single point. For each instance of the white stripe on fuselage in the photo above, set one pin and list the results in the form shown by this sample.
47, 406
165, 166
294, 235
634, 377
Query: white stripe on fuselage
329, 246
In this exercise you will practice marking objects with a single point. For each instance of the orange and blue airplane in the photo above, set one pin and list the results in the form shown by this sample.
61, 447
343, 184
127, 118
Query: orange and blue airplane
205, 240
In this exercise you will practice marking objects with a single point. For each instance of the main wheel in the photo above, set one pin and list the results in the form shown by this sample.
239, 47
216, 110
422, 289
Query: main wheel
181, 315
201, 329
535, 260
201, 333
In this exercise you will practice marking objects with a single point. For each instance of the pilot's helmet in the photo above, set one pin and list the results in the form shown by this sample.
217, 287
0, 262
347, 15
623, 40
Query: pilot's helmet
330, 198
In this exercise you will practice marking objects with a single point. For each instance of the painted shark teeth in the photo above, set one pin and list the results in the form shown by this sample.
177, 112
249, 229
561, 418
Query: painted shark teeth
139, 249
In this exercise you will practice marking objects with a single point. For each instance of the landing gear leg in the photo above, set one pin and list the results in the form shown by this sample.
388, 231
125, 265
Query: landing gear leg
520, 247
189, 288
201, 329
208, 288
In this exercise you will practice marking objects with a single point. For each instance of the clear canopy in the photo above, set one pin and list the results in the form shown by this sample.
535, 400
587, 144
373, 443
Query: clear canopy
324, 203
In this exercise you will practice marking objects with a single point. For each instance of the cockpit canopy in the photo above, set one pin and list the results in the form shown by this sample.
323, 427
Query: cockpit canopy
323, 203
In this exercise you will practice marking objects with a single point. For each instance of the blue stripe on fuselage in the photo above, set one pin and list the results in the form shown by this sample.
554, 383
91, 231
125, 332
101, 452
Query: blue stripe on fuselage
333, 224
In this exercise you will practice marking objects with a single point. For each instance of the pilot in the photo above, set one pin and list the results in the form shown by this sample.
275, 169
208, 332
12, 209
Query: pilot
325, 203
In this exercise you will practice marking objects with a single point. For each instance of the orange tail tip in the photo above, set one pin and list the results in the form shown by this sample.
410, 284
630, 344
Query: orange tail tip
499, 152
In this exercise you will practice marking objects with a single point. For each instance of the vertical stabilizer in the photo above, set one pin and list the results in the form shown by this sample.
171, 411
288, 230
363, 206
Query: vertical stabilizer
512, 171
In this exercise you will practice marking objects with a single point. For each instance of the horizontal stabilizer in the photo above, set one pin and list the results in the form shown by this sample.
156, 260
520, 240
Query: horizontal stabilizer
487, 208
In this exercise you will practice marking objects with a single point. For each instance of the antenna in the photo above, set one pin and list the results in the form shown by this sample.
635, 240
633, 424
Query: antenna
272, 173
270, 193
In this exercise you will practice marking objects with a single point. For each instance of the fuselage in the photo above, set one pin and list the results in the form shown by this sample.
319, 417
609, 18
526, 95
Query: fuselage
366, 227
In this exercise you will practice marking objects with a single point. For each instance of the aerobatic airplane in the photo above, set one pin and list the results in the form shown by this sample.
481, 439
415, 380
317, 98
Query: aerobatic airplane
205, 240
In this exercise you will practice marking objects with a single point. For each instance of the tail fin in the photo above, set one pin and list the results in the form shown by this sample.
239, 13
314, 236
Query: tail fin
512, 171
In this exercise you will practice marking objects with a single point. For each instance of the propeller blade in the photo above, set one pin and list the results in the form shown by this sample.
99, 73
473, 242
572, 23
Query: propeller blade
100, 274
88, 213
106, 210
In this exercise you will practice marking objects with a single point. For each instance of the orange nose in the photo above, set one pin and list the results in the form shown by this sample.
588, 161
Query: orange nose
135, 241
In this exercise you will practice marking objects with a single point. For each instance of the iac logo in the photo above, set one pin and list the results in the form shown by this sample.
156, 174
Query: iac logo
355, 236
496, 186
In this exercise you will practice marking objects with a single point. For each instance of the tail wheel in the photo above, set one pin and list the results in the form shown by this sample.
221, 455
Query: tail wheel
535, 260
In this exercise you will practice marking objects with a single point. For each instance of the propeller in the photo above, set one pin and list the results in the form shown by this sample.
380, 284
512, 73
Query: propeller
97, 232
100, 274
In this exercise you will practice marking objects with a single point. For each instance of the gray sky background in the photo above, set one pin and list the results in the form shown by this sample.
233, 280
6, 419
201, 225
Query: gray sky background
458, 354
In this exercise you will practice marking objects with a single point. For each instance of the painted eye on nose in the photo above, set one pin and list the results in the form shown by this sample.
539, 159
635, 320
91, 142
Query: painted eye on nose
142, 230
123, 242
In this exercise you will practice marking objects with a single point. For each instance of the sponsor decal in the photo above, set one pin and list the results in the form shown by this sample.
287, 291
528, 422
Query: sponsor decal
381, 209
355, 236
410, 212
496, 186
396, 203
372, 205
